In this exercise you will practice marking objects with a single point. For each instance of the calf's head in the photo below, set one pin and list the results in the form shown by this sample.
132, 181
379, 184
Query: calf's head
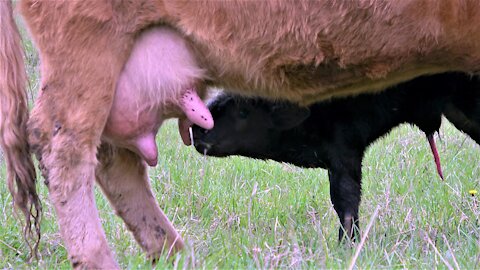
246, 126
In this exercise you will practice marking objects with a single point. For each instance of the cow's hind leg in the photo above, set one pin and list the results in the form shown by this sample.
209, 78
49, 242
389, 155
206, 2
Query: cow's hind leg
65, 145
78, 82
64, 134
71, 192
123, 177
83, 46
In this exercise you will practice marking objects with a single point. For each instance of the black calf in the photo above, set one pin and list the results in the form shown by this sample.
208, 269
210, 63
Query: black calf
334, 134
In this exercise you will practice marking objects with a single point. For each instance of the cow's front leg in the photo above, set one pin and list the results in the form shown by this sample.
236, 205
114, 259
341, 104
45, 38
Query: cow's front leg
123, 177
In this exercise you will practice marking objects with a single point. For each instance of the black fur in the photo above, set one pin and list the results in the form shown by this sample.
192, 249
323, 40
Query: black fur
335, 134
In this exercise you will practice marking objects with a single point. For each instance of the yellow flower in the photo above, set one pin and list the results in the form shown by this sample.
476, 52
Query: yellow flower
472, 192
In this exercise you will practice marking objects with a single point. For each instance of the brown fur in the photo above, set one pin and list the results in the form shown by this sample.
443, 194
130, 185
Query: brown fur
303, 51
306, 51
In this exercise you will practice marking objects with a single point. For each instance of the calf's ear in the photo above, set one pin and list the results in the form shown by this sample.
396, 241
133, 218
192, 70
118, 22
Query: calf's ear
287, 116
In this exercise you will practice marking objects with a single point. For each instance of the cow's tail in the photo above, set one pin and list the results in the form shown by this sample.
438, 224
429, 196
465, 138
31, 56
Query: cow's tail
21, 176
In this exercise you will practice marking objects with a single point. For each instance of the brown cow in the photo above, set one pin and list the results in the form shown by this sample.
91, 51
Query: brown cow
300, 50
161, 79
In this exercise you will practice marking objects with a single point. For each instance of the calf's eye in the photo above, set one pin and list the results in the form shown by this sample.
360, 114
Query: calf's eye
243, 113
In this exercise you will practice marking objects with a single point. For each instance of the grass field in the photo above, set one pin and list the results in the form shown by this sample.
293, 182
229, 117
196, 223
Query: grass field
242, 213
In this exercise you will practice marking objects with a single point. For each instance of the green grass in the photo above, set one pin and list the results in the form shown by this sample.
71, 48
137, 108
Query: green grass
288, 220
243, 213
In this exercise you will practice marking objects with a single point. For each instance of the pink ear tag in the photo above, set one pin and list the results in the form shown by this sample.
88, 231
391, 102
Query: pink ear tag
196, 112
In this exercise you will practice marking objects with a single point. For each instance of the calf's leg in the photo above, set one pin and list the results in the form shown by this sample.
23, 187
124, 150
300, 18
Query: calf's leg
123, 177
345, 192
468, 124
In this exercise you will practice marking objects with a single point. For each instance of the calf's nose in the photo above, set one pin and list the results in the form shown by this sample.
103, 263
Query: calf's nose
202, 147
